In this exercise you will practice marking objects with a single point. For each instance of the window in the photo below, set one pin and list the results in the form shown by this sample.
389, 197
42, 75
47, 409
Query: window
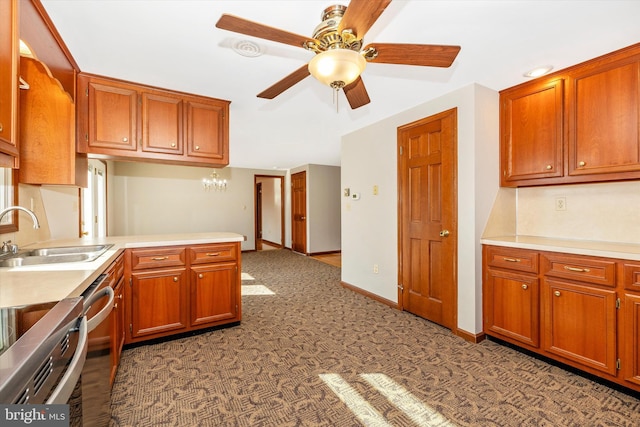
8, 197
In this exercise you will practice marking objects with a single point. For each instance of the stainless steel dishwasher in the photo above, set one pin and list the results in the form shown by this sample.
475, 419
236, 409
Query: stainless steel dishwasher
57, 359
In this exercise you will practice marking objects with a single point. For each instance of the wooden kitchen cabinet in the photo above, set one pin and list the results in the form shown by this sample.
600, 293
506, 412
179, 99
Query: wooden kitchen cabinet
580, 323
124, 120
162, 123
159, 302
583, 310
116, 281
111, 123
532, 132
47, 131
213, 293
159, 292
603, 117
580, 124
179, 289
631, 324
9, 71
511, 295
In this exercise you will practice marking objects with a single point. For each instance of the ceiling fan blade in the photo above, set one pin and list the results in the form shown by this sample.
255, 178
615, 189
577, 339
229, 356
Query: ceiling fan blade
356, 94
250, 28
361, 14
285, 83
429, 55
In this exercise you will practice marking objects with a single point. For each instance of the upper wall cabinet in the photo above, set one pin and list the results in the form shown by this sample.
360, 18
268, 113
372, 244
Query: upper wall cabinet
123, 120
581, 124
9, 42
47, 131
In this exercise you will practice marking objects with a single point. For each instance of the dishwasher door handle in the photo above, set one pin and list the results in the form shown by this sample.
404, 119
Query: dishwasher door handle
102, 314
68, 382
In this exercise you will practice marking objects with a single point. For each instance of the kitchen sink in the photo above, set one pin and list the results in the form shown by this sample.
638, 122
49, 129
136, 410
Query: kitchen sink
55, 255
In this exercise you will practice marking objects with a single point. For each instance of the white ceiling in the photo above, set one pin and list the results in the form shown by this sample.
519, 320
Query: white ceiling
174, 44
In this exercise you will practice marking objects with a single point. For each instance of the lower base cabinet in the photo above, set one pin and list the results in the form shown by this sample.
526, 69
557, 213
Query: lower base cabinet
631, 325
158, 302
582, 311
580, 324
178, 289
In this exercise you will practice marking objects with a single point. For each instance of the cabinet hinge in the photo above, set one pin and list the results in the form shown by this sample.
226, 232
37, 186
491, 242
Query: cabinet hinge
618, 365
618, 303
86, 137
236, 308
86, 91
401, 151
130, 327
236, 268
130, 281
401, 287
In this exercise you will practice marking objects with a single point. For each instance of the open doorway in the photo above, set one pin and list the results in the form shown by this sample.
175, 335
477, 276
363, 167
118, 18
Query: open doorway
269, 212
94, 201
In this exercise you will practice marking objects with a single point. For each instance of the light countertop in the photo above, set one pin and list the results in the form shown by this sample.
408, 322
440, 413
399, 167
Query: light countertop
627, 251
54, 282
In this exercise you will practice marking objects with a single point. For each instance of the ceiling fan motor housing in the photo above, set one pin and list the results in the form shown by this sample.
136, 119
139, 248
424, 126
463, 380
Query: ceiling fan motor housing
326, 33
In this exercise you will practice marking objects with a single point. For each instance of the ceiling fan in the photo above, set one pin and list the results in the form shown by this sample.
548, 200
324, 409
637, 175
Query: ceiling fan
338, 44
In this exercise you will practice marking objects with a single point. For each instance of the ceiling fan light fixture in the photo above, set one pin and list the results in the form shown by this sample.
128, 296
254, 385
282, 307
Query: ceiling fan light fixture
337, 67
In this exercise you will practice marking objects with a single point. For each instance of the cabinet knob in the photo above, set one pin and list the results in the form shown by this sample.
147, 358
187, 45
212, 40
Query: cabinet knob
173, 144
525, 286
200, 276
125, 139
557, 293
582, 164
197, 147
549, 167
175, 279
1, 127
115, 306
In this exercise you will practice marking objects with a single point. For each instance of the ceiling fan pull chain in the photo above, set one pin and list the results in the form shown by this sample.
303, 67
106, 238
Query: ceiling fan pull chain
336, 99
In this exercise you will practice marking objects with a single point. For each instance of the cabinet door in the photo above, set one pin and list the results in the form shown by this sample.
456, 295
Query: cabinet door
113, 115
511, 306
162, 123
532, 132
159, 302
213, 293
117, 329
207, 125
603, 118
580, 324
631, 339
8, 76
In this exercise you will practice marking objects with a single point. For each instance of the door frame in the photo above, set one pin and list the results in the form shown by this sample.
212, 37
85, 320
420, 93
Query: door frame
257, 215
305, 228
454, 223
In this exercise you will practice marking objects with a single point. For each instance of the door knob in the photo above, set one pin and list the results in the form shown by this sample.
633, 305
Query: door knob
444, 233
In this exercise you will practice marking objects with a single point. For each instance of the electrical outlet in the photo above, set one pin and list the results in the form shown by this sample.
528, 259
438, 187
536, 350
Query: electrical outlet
375, 268
561, 203
375, 190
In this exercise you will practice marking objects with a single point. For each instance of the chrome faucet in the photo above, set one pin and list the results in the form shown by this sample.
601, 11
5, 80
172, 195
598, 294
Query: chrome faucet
36, 223
7, 247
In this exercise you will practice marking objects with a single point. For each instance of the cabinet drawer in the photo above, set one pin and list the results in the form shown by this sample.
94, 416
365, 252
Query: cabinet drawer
157, 258
206, 254
581, 268
513, 259
632, 277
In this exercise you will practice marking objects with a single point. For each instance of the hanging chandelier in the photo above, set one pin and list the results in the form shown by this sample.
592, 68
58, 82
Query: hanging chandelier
214, 182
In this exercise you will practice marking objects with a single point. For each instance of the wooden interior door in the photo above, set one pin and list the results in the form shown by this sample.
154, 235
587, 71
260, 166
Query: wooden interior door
299, 212
427, 218
258, 216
